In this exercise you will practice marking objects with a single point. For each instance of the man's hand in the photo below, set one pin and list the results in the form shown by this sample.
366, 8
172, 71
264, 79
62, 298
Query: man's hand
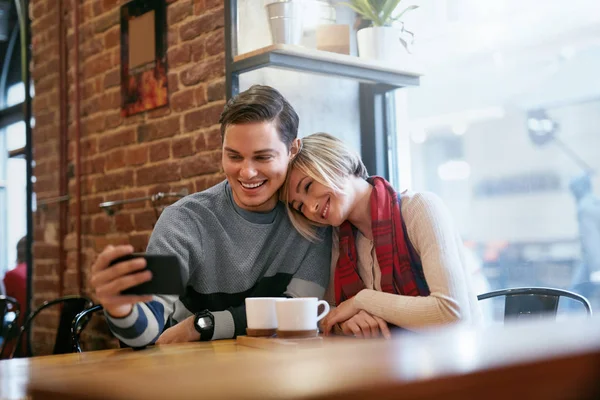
365, 325
182, 332
109, 281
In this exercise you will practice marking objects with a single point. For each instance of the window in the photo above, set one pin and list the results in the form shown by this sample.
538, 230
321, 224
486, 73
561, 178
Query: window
505, 120
13, 178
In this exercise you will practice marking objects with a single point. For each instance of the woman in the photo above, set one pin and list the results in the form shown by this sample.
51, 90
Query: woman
396, 258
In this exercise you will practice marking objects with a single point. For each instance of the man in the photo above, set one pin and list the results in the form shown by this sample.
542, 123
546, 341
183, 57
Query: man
588, 217
233, 240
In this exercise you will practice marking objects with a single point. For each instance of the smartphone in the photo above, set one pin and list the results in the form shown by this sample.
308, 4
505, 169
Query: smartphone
166, 274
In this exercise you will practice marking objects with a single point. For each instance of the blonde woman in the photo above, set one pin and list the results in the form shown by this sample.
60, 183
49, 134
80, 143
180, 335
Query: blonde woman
397, 259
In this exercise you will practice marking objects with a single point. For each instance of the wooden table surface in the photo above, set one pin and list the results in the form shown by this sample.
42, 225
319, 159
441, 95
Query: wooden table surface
548, 360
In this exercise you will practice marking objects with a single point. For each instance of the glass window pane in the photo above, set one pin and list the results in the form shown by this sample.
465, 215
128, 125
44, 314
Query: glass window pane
15, 136
16, 205
15, 94
502, 128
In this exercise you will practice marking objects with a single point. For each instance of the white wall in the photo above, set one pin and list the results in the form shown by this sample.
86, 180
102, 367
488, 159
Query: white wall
324, 104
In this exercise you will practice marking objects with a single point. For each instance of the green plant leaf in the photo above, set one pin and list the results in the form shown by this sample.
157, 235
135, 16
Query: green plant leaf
360, 9
367, 11
388, 9
407, 9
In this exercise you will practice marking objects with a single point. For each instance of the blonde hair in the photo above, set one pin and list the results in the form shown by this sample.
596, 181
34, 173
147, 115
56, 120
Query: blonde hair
327, 160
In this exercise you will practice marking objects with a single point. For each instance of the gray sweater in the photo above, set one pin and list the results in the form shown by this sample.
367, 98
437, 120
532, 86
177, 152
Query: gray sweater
226, 254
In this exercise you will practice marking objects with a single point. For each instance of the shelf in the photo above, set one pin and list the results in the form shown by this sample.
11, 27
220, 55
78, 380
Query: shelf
326, 63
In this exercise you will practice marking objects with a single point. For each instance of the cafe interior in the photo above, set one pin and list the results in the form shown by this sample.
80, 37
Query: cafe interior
109, 114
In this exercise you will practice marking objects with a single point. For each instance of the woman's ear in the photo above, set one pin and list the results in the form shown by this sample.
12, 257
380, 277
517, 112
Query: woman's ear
295, 148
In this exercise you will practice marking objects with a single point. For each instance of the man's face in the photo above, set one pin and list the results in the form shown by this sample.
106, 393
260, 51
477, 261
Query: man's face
255, 161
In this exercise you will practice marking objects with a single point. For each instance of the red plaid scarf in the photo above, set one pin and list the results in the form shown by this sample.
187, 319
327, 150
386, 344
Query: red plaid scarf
401, 270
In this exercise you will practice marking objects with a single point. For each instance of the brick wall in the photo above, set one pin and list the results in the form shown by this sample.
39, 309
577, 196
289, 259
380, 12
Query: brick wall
166, 149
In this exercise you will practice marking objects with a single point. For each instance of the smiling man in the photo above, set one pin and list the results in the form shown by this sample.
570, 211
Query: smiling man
233, 240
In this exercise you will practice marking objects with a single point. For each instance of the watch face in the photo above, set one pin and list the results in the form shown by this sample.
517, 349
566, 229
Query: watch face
204, 322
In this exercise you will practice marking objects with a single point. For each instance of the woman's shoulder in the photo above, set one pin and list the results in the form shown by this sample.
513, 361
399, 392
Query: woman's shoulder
421, 204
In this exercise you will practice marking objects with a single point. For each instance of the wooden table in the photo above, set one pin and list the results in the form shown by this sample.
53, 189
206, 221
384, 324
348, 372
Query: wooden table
546, 360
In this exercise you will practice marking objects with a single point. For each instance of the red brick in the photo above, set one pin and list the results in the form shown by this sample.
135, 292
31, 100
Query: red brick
110, 100
159, 112
200, 95
115, 159
135, 194
107, 20
204, 23
201, 164
158, 129
198, 48
112, 38
203, 71
160, 151
123, 222
216, 90
215, 43
164, 172
112, 78
144, 221
114, 181
204, 117
92, 48
101, 224
200, 6
205, 182
179, 55
113, 120
173, 82
97, 65
45, 250
183, 147
120, 138
183, 100
45, 285
139, 241
137, 155
178, 11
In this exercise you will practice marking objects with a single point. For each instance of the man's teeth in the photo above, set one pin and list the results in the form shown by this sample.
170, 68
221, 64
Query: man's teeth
252, 185
325, 211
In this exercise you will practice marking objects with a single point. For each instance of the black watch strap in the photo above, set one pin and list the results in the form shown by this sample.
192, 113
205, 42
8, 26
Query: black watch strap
204, 322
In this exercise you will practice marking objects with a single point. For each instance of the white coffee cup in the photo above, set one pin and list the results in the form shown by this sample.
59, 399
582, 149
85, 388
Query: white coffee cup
260, 312
299, 314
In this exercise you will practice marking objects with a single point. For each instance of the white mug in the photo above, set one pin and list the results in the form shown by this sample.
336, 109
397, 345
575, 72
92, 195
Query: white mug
299, 314
260, 312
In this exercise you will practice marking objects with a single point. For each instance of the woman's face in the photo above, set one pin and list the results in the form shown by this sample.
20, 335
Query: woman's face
317, 202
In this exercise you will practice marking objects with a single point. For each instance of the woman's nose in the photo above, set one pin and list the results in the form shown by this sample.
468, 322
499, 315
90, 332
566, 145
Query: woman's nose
314, 207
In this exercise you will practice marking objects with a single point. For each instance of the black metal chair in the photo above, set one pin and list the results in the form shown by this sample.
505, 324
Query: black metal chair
79, 323
8, 306
534, 301
71, 306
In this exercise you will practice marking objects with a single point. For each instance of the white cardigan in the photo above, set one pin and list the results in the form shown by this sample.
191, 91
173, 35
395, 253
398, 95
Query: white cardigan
438, 243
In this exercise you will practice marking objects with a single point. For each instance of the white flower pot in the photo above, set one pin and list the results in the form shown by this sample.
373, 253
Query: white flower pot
381, 43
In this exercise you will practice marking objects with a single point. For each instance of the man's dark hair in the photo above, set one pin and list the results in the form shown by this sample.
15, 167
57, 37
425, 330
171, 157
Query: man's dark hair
21, 250
261, 104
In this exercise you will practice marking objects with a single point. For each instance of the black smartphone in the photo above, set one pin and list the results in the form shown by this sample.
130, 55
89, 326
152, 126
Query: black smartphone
166, 274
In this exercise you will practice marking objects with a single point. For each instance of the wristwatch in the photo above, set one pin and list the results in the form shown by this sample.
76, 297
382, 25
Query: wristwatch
204, 322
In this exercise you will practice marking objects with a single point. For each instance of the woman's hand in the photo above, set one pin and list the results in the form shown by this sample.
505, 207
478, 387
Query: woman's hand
365, 325
341, 313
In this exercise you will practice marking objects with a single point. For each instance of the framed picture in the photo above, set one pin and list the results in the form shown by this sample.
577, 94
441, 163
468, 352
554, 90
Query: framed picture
143, 56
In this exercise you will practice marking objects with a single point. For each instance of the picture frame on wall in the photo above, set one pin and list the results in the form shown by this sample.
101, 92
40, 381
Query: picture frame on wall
143, 56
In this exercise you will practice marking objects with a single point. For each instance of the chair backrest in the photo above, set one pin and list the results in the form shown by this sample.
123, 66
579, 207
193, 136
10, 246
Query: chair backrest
534, 301
71, 306
8, 322
79, 323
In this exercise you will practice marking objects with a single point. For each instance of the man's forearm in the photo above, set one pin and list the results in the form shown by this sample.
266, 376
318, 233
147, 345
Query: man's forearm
141, 327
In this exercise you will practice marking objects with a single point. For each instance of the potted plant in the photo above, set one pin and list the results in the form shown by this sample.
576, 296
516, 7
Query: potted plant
379, 39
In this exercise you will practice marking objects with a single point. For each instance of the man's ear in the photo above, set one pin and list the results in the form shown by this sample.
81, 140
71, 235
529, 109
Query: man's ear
295, 148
